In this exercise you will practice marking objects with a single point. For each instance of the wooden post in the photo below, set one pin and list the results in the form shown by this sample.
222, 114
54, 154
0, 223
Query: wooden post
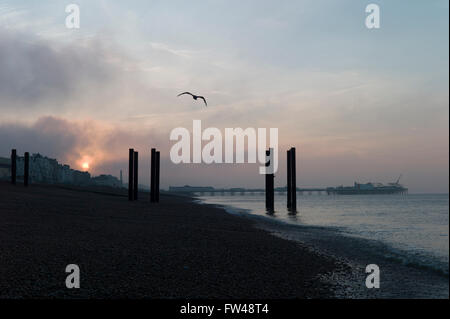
294, 181
289, 180
269, 183
152, 175
157, 173
13, 166
26, 169
130, 174
135, 176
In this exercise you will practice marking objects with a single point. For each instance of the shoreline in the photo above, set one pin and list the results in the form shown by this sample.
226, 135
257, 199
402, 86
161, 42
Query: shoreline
404, 280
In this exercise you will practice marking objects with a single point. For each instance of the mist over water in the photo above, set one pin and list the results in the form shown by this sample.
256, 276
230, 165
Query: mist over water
415, 225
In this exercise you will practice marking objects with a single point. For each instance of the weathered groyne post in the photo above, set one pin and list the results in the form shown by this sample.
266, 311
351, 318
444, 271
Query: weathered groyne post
289, 180
13, 166
157, 172
269, 182
135, 176
293, 181
26, 169
130, 173
152, 175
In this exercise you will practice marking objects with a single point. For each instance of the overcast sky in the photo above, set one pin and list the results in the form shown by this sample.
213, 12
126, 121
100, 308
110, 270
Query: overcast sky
359, 104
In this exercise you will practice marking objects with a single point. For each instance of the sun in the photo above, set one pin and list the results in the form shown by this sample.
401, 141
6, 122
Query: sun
85, 165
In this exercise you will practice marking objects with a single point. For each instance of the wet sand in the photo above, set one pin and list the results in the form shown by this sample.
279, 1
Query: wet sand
174, 249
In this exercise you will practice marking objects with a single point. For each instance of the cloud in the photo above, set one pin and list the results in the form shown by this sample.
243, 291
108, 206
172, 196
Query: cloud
47, 136
35, 71
178, 52
72, 142
89, 79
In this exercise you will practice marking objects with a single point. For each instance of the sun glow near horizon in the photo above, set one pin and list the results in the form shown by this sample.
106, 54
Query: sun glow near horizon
85, 163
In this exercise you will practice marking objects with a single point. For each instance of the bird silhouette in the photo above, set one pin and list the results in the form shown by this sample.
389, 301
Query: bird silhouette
195, 97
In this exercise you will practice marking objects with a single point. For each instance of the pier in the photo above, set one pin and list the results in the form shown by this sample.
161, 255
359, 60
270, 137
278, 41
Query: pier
242, 191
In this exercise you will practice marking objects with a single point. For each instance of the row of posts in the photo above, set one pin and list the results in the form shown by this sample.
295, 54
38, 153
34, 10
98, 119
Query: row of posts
155, 174
26, 168
133, 185
291, 182
133, 181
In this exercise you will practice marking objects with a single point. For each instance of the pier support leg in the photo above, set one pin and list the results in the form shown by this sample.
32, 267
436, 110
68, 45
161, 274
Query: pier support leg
13, 166
130, 174
135, 176
26, 169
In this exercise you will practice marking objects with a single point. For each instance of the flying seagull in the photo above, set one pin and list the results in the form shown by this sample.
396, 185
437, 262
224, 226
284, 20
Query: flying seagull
195, 97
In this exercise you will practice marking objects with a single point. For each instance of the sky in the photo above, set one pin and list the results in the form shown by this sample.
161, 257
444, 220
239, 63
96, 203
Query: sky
359, 104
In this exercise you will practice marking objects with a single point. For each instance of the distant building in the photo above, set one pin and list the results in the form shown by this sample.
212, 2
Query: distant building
368, 189
48, 171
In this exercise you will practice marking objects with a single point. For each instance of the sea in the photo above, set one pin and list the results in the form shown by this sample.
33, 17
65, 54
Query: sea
416, 226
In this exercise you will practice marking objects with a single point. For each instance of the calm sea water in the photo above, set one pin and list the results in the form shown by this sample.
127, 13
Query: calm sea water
416, 225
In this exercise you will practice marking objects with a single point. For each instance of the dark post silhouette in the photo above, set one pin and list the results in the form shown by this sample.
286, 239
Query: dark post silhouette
289, 180
267, 180
152, 175
157, 172
130, 174
294, 181
135, 176
269, 184
26, 169
13, 166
